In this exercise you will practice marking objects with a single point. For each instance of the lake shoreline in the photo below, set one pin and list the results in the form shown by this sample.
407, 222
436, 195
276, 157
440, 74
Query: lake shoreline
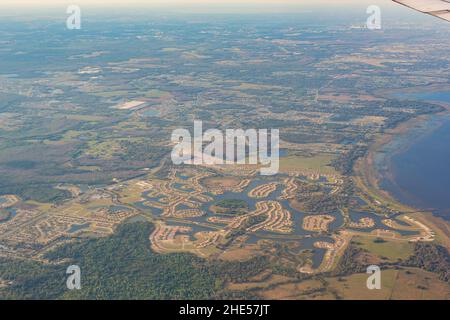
405, 165
368, 175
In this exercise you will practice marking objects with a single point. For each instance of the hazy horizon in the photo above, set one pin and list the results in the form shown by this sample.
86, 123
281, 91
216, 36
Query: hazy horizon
278, 5
26, 8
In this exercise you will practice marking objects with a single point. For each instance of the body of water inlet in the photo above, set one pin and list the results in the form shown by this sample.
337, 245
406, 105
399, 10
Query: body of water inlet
415, 166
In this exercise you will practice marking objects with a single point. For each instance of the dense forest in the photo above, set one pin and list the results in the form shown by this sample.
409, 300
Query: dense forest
432, 258
232, 206
346, 161
350, 262
320, 202
123, 266
44, 193
427, 256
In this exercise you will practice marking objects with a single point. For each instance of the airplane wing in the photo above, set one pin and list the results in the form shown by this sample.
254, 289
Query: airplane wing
437, 8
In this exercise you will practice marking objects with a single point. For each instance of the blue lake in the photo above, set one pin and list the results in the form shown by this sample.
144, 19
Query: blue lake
77, 227
443, 96
416, 166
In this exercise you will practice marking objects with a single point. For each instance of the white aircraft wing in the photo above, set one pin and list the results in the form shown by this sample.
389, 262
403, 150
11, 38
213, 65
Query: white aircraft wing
437, 8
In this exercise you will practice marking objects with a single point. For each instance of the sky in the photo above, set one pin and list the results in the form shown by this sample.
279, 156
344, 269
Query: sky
162, 3
35, 7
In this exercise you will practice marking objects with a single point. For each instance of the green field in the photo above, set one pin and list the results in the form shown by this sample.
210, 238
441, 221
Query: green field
390, 249
315, 164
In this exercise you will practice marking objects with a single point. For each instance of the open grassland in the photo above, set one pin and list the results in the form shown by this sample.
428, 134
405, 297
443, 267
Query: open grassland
405, 284
226, 183
390, 249
395, 284
88, 118
104, 150
315, 164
